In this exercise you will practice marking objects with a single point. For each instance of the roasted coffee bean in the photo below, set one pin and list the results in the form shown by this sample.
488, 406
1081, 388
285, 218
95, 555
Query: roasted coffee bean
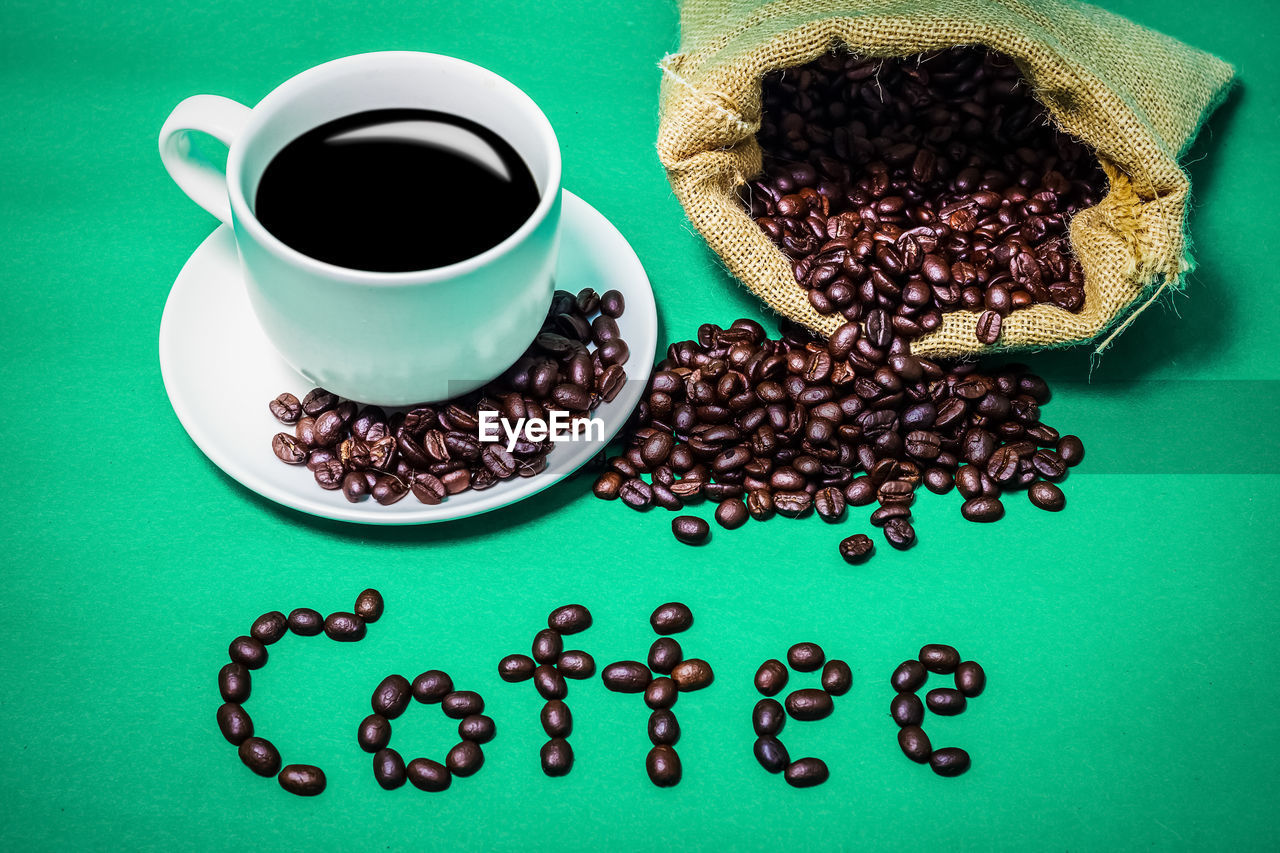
234, 723
569, 619
549, 682
556, 756
860, 491
427, 775
1048, 464
940, 658
369, 606
389, 489
515, 668
1071, 449
829, 503
626, 676
771, 677
306, 622
907, 709
984, 510
612, 304
885, 514
391, 696
731, 514
432, 686
661, 693
260, 756
576, 664
988, 327
608, 486
768, 718
248, 652
663, 766
663, 728
915, 744
318, 400
286, 408
374, 733
946, 701
910, 676
664, 654
949, 761
388, 769
464, 759
971, 680
808, 704
806, 657
344, 627
671, 618
692, 674
269, 627
547, 646
636, 493
305, 780
428, 488
1047, 496
857, 548
806, 772
476, 727
899, 533
771, 754
288, 449
461, 703
556, 719
355, 486
837, 678
234, 683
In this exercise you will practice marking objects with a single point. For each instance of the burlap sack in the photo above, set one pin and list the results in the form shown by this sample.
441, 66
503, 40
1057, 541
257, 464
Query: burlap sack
1133, 95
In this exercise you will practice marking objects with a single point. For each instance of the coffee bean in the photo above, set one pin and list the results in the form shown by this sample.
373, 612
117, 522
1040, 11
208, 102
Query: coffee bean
984, 510
305, 780
837, 677
771, 754
234, 723
476, 727
269, 627
556, 756
547, 646
234, 683
768, 718
690, 529
663, 728
556, 719
661, 693
1071, 450
306, 622
664, 654
805, 657
248, 652
671, 618
692, 674
829, 504
885, 514
464, 759
971, 680
907, 709
857, 549
771, 677
899, 533
663, 766
427, 775
915, 744
549, 682
289, 449
286, 408
808, 704
391, 696
461, 703
946, 701
949, 761
260, 756
388, 769
626, 676
432, 686
860, 491
988, 327
374, 733
576, 664
344, 627
608, 486
939, 658
732, 514
369, 606
806, 772
515, 668
1047, 496
910, 676
569, 619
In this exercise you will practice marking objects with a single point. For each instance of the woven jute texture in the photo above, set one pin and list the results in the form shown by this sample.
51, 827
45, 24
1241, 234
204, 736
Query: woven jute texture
1133, 95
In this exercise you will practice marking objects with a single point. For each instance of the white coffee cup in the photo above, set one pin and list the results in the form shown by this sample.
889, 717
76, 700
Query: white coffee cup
378, 337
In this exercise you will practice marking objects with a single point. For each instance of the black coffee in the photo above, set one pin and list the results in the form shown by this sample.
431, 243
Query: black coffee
396, 190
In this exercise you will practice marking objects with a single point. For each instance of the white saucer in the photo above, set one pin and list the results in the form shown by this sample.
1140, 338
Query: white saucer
220, 371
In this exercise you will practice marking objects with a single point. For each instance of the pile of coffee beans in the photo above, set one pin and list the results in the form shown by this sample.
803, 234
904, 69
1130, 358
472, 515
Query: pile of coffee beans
391, 698
250, 653
908, 711
798, 425
676, 675
548, 667
769, 715
921, 185
574, 364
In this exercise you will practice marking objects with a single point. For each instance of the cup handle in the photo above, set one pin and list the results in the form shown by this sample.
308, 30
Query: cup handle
221, 118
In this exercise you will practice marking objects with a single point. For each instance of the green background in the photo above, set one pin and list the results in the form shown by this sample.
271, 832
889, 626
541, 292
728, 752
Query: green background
1128, 640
